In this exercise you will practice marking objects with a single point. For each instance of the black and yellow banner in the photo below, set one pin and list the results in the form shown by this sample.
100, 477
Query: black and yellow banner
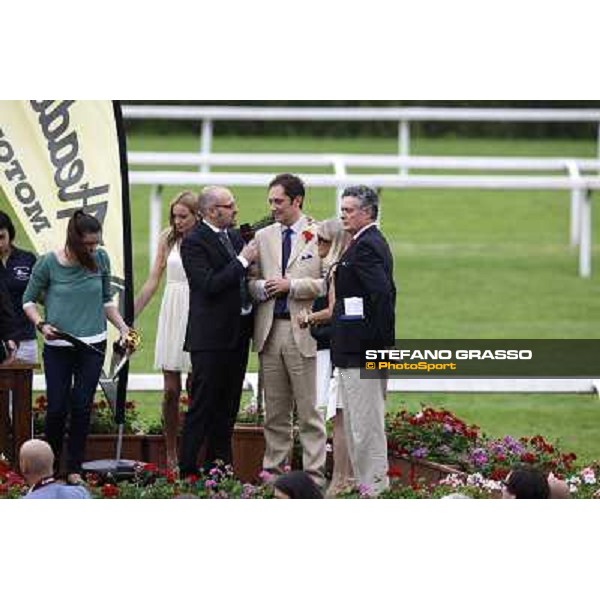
57, 156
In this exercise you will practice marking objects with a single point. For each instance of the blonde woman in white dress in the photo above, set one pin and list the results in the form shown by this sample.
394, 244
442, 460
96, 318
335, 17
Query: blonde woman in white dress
332, 240
169, 355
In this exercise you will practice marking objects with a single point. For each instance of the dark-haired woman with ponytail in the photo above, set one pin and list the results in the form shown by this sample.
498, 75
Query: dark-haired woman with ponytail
74, 285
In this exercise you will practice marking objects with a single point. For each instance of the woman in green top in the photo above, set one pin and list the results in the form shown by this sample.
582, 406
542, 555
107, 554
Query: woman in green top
74, 284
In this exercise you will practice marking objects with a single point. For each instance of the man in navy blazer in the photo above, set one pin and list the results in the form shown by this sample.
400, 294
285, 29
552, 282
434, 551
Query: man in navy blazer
219, 328
363, 317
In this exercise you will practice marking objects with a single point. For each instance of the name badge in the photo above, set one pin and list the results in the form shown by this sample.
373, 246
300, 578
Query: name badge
353, 308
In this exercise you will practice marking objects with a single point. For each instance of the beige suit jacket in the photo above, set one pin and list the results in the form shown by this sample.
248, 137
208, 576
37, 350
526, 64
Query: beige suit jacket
303, 271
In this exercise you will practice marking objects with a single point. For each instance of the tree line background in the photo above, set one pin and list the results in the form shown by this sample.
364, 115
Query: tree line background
375, 128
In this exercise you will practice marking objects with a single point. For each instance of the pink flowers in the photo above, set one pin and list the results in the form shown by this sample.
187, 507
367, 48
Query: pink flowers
439, 436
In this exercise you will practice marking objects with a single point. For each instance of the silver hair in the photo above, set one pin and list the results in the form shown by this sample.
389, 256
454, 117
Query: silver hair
367, 198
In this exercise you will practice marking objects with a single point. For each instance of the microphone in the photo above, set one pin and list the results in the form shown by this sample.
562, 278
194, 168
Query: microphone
247, 232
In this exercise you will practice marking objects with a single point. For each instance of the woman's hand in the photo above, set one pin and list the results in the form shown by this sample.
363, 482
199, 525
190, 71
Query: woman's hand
130, 340
48, 331
304, 318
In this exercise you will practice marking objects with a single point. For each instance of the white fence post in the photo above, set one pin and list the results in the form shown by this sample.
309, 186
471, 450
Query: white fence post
206, 143
403, 143
576, 200
339, 167
585, 242
155, 221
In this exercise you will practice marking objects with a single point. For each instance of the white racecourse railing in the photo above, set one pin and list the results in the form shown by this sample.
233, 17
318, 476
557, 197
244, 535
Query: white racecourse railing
153, 382
341, 162
404, 116
580, 186
206, 115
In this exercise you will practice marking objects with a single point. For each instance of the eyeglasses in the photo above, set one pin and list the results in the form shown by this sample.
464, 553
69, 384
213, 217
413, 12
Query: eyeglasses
229, 206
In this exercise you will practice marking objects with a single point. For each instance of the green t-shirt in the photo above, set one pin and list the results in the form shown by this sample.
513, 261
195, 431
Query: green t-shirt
73, 297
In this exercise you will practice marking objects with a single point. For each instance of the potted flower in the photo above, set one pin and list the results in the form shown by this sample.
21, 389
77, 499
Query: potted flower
433, 443
429, 444
248, 442
152, 482
101, 441
12, 485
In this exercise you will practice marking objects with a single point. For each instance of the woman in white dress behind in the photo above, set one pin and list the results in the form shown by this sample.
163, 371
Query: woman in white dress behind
169, 355
332, 241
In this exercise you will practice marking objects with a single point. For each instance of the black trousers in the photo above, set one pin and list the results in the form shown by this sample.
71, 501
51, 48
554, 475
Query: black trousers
217, 379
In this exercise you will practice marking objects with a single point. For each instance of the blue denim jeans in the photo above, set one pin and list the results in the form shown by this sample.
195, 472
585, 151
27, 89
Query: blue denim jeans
71, 379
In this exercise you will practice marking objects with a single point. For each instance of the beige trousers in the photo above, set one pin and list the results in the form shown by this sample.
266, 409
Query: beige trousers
289, 380
364, 423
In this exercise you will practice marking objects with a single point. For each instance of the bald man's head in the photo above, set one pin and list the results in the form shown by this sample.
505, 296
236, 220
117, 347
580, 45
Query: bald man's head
218, 206
36, 460
211, 195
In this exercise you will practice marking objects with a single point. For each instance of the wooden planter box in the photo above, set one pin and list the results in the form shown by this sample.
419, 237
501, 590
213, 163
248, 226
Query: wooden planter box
104, 445
154, 450
248, 447
417, 470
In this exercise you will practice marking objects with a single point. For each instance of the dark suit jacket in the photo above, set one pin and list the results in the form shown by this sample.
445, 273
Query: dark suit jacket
365, 270
214, 279
7, 315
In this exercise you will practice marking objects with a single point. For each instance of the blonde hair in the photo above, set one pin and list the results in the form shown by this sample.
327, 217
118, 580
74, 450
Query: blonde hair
332, 231
190, 201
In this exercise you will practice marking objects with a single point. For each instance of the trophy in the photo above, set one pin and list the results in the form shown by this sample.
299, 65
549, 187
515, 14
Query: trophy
123, 348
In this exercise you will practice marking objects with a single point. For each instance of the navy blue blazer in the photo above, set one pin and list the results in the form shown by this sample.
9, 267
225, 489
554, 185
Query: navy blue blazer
365, 270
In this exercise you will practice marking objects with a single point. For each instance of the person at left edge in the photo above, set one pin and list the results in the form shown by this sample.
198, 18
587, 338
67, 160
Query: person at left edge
7, 336
75, 283
15, 271
219, 328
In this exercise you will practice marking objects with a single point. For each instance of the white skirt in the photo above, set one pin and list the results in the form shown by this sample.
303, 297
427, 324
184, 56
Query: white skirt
170, 331
327, 385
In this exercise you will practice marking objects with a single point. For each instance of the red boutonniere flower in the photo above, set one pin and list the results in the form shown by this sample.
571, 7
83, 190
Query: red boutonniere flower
307, 235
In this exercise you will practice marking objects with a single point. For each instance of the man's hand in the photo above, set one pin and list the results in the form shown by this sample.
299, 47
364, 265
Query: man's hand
277, 286
12, 351
250, 251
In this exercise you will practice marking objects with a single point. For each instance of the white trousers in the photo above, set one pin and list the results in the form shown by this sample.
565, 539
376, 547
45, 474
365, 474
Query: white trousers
364, 424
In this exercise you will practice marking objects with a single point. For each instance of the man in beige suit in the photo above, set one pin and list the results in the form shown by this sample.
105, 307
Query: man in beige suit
286, 280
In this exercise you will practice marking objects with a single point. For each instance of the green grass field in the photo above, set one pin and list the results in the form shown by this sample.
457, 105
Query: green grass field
468, 264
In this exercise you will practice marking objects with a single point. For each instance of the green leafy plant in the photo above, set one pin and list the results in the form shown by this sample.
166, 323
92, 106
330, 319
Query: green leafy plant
101, 420
439, 436
150, 482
